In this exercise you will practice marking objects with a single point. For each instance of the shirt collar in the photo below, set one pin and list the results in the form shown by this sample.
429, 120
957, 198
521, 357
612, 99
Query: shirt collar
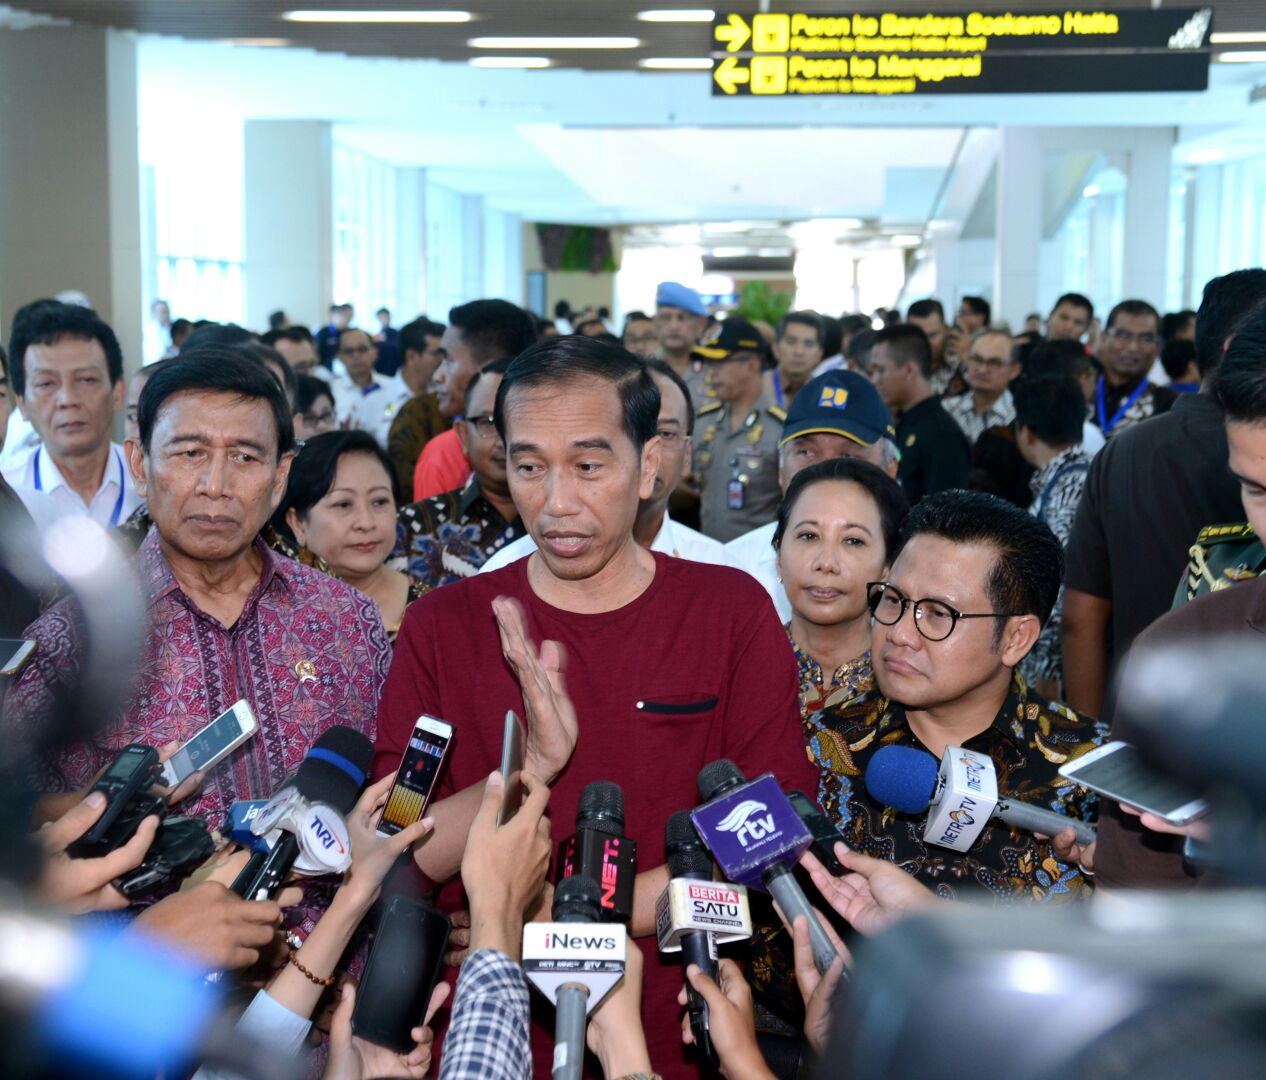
471, 494
666, 539
157, 580
51, 476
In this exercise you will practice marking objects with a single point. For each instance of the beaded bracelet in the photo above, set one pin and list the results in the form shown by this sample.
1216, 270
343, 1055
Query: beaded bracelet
327, 981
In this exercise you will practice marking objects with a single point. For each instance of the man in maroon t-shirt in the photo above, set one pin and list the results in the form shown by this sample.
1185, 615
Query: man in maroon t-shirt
670, 664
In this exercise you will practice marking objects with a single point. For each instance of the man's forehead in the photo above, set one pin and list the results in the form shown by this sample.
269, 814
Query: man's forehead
66, 350
485, 395
216, 413
672, 402
932, 565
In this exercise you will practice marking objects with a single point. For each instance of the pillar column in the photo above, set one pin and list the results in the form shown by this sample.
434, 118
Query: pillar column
1146, 240
289, 220
1018, 233
69, 174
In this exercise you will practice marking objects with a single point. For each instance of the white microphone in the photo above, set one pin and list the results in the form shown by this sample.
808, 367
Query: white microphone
575, 961
960, 796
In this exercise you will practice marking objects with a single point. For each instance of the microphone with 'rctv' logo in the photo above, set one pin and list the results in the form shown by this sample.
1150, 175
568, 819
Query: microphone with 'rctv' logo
599, 850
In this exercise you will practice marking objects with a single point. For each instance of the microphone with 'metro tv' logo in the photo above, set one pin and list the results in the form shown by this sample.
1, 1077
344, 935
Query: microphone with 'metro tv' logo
599, 850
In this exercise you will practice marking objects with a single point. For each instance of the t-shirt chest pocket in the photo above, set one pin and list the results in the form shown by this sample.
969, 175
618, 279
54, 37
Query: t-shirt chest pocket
672, 730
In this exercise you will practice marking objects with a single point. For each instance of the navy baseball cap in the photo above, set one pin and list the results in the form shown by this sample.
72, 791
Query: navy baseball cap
729, 338
674, 294
839, 402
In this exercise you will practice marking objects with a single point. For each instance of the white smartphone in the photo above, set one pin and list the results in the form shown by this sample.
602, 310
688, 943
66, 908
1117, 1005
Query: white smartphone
212, 744
416, 777
14, 653
1118, 771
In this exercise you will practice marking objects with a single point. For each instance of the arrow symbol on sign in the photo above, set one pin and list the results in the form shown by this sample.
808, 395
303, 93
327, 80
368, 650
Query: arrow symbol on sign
734, 34
729, 75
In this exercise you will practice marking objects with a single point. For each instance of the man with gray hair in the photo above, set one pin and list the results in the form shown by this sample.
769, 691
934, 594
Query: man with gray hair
838, 414
991, 365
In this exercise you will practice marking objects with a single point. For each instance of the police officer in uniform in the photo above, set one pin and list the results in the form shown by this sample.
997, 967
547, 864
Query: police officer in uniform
1221, 556
736, 436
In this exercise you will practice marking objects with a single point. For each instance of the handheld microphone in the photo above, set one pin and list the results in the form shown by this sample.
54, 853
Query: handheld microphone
694, 914
574, 967
756, 836
960, 796
307, 814
599, 850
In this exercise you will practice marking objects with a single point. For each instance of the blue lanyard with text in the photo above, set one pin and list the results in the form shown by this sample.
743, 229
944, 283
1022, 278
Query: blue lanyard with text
118, 503
1106, 425
777, 387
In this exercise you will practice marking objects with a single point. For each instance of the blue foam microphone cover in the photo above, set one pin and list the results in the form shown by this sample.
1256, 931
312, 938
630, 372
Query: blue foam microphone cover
902, 777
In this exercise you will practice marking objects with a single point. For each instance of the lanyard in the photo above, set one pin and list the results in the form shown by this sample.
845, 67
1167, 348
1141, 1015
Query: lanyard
1106, 425
118, 504
777, 387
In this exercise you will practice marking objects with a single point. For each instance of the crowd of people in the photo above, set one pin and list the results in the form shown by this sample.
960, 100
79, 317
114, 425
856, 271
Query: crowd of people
689, 537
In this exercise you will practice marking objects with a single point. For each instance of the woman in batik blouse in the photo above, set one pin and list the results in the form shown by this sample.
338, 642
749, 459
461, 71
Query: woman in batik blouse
340, 511
838, 521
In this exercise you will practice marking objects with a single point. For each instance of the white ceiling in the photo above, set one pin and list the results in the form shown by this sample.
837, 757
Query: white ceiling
619, 147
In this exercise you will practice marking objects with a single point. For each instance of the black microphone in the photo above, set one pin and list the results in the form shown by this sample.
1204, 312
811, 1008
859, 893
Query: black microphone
721, 778
600, 851
689, 858
308, 813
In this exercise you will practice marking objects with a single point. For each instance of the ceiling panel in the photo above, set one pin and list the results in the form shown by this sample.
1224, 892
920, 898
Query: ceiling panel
222, 19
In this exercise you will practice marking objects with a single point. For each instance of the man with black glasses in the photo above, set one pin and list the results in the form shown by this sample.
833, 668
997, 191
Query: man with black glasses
973, 581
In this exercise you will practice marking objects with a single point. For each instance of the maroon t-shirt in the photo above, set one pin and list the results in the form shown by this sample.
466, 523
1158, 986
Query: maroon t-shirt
696, 668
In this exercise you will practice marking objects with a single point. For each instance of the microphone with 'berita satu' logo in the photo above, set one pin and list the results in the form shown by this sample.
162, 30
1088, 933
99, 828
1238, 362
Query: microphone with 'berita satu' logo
960, 796
756, 837
575, 961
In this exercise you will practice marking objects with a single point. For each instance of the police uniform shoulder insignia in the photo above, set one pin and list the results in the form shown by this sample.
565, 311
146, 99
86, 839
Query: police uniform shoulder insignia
1221, 534
711, 407
909, 441
778, 413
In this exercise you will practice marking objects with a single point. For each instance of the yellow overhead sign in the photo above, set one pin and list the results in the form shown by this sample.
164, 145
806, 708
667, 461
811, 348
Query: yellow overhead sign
794, 53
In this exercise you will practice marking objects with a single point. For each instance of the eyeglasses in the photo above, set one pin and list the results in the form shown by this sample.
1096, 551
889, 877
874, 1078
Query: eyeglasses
1124, 337
671, 438
323, 417
934, 619
485, 426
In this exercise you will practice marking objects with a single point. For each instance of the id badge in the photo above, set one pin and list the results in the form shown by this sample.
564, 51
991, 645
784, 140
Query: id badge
735, 494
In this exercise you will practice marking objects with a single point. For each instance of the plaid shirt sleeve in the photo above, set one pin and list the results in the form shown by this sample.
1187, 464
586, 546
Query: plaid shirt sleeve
488, 1034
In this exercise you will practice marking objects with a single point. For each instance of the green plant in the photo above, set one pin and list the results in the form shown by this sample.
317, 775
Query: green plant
759, 303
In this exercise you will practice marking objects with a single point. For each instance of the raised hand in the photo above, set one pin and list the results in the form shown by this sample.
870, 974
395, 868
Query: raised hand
551, 717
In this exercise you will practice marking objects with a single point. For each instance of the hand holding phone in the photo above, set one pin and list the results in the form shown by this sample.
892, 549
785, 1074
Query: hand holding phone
212, 744
1118, 771
130, 773
417, 776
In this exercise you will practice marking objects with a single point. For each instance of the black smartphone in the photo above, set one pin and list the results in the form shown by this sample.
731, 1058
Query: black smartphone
403, 967
132, 771
825, 835
513, 743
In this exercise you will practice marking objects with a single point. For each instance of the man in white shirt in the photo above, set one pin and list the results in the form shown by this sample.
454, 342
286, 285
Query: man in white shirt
653, 528
67, 371
838, 414
365, 399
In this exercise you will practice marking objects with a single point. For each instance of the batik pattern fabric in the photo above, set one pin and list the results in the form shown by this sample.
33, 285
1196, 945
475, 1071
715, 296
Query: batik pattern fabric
449, 537
1030, 738
779, 1008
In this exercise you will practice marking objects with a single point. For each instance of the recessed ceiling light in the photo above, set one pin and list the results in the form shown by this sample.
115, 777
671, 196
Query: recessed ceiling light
686, 15
357, 16
1250, 37
509, 62
1206, 156
676, 63
257, 42
1090, 191
554, 43
906, 240
1241, 58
